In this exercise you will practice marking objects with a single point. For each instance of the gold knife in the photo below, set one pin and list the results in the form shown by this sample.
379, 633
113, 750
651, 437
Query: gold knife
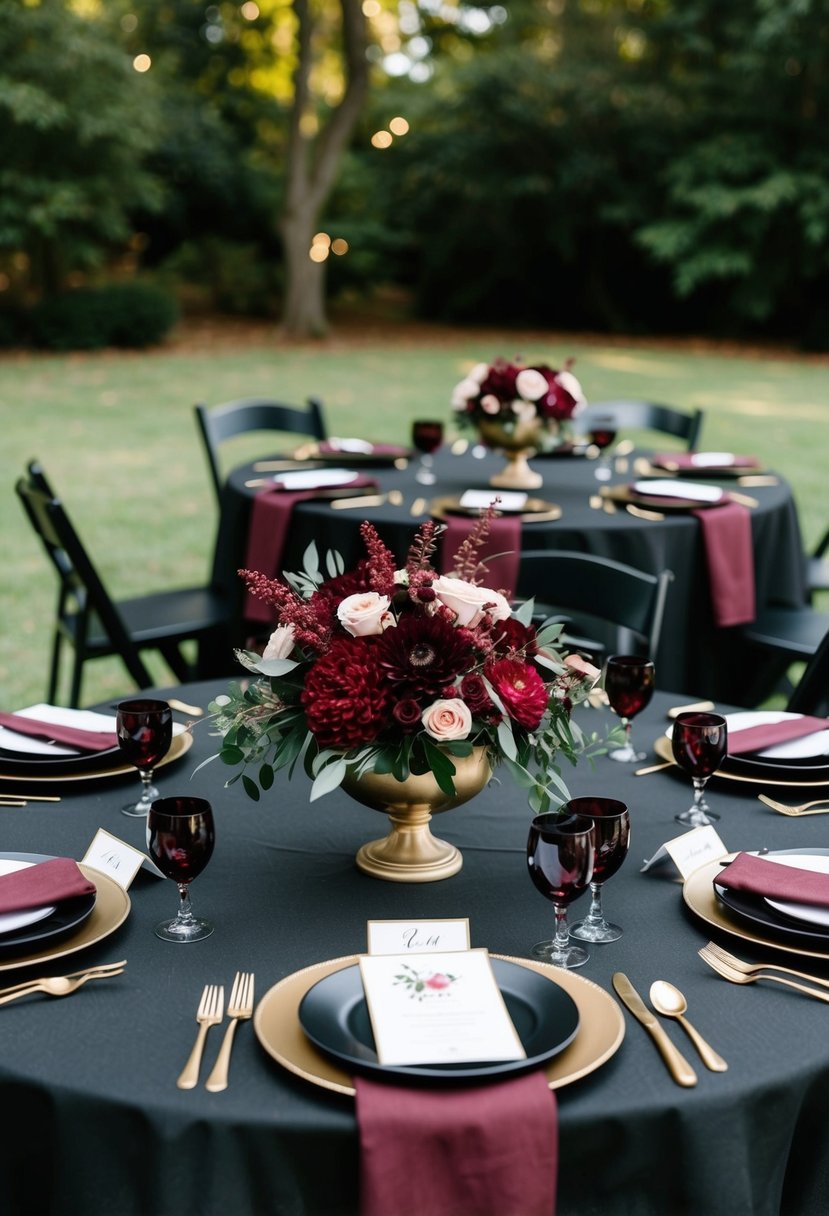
678, 1066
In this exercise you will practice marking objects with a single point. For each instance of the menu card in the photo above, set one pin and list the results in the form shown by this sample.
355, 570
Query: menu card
437, 1009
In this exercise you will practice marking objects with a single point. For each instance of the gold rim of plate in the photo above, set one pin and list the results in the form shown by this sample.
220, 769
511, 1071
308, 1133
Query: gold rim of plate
180, 745
276, 1025
699, 896
662, 747
112, 907
535, 511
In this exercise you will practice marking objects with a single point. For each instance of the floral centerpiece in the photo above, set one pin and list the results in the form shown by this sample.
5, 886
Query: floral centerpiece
401, 672
518, 409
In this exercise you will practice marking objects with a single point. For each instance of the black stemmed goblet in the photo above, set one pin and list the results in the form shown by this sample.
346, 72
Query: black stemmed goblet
611, 841
180, 840
560, 859
699, 742
145, 732
427, 436
601, 434
628, 683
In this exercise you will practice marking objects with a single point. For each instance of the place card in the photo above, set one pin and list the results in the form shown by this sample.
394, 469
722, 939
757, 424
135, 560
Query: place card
689, 851
116, 858
417, 936
509, 500
443, 1008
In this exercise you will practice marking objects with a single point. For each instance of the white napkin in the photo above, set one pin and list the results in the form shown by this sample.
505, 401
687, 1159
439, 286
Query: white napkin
693, 490
351, 445
716, 460
314, 479
511, 500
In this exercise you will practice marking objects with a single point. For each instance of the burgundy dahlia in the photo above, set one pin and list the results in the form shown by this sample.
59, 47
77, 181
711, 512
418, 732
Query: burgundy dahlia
421, 655
520, 688
510, 637
346, 698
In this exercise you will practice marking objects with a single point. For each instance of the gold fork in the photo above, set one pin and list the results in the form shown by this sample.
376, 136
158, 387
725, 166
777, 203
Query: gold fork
209, 1013
739, 977
794, 811
738, 964
239, 1007
61, 985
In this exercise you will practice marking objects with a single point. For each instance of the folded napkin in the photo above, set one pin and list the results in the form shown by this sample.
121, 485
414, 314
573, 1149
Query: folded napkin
756, 738
501, 551
360, 447
48, 882
756, 876
703, 460
270, 519
729, 555
83, 740
476, 1150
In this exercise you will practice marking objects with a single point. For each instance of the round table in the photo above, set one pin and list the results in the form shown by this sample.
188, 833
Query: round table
96, 1126
694, 656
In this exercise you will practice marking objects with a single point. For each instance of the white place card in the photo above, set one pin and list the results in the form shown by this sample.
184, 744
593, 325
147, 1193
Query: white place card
509, 500
689, 851
116, 858
437, 1009
417, 936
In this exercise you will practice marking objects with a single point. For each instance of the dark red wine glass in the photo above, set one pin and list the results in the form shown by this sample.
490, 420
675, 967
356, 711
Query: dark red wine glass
427, 436
611, 841
602, 433
628, 683
560, 858
180, 840
145, 732
699, 742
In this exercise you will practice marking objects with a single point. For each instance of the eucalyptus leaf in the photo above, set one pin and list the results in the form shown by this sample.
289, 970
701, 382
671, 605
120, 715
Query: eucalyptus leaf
328, 779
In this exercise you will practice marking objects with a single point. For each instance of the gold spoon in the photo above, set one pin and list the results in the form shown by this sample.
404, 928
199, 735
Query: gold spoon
669, 1001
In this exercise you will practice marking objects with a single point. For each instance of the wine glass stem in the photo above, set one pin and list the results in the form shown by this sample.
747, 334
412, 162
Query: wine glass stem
184, 916
595, 916
699, 794
147, 791
562, 937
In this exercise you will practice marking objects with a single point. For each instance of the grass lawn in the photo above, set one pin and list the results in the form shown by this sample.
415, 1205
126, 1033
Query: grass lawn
116, 435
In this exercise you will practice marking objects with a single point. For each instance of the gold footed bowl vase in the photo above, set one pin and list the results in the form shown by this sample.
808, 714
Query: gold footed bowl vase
517, 442
410, 853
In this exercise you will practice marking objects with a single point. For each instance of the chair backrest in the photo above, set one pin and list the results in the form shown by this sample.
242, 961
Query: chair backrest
221, 422
647, 415
81, 588
811, 693
601, 589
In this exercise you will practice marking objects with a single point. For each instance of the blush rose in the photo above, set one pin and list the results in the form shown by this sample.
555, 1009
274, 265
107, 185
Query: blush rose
362, 615
447, 720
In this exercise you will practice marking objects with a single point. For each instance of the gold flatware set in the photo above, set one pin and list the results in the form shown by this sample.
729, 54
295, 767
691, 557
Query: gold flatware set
210, 1013
25, 799
61, 985
739, 972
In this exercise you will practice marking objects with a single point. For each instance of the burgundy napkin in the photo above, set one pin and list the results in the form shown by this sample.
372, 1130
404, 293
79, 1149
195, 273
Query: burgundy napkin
270, 519
83, 740
687, 460
503, 543
48, 882
483, 1150
757, 876
755, 738
729, 554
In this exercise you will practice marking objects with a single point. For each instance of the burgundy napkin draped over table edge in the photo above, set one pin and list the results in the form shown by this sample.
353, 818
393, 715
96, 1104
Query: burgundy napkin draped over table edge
71, 736
501, 551
755, 738
756, 876
729, 556
270, 519
478, 1150
47, 882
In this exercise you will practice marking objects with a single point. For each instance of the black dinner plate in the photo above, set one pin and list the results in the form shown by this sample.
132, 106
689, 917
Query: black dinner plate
36, 764
68, 914
334, 1015
754, 908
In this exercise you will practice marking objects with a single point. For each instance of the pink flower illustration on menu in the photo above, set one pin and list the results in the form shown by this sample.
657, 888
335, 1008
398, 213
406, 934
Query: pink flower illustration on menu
424, 984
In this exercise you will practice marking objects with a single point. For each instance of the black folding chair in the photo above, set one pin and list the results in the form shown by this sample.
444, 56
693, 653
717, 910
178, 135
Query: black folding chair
625, 607
811, 693
646, 416
223, 422
778, 639
96, 626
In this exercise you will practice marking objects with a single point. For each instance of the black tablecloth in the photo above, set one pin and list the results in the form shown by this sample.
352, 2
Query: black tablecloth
95, 1124
694, 655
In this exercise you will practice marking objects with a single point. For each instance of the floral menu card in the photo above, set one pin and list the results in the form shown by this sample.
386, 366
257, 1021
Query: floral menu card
437, 1009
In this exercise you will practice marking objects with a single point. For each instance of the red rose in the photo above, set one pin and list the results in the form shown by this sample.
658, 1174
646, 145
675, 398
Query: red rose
346, 698
473, 690
406, 714
520, 688
510, 636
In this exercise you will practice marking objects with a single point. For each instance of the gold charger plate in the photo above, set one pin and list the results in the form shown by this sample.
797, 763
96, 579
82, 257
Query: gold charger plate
276, 1025
698, 893
535, 510
662, 747
112, 907
180, 745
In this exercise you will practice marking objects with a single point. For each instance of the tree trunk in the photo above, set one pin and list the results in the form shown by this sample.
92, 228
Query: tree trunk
312, 165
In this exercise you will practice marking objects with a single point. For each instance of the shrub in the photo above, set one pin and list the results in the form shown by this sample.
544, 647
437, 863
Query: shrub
118, 314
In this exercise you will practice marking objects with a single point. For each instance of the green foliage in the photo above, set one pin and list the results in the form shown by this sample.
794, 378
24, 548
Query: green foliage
121, 314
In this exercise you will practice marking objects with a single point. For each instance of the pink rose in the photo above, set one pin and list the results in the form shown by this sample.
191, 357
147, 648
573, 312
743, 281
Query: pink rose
581, 666
447, 720
490, 404
362, 615
531, 384
438, 980
468, 602
280, 643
